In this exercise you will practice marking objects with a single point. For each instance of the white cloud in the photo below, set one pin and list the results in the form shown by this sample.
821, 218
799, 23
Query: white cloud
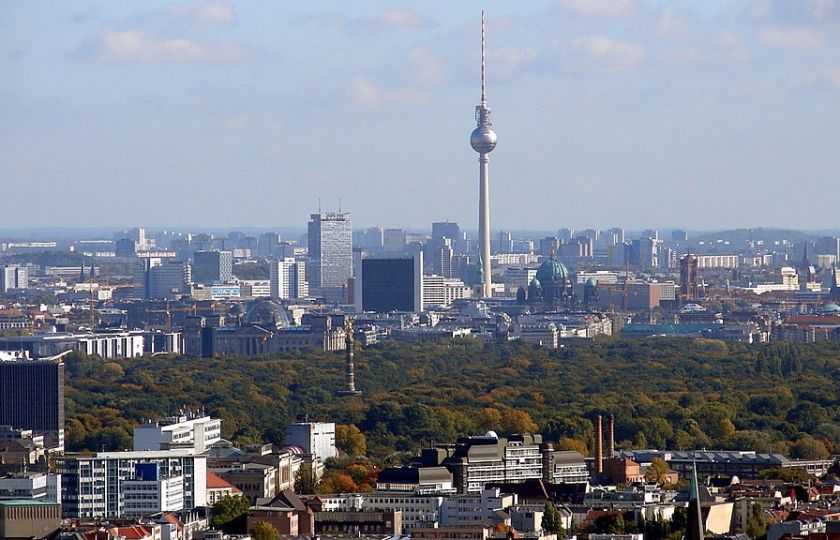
834, 77
617, 54
508, 59
671, 26
607, 9
793, 38
366, 92
364, 25
728, 40
682, 55
428, 68
822, 9
402, 19
135, 47
204, 12
731, 46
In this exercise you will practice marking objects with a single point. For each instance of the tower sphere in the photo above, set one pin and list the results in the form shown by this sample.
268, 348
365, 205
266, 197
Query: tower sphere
483, 139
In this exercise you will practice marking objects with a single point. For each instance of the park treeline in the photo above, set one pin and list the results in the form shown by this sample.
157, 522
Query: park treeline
664, 393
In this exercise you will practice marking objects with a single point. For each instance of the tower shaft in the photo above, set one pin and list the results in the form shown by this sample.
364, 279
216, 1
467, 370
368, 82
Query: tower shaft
484, 223
483, 141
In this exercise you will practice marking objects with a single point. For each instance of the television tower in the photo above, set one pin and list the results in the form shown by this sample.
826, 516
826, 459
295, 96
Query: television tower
483, 141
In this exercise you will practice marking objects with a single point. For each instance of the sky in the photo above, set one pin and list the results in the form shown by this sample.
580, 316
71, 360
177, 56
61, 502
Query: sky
704, 115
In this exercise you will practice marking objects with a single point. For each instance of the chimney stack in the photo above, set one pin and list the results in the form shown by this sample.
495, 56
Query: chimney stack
611, 438
599, 445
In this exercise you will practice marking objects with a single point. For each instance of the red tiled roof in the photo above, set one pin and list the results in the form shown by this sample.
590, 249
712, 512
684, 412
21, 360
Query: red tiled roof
135, 532
214, 481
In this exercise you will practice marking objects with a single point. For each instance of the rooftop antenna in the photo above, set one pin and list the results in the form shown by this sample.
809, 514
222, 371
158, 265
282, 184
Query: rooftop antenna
339, 205
319, 205
483, 67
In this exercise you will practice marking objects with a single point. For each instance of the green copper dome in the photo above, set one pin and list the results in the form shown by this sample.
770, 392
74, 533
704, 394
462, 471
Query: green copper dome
552, 271
830, 307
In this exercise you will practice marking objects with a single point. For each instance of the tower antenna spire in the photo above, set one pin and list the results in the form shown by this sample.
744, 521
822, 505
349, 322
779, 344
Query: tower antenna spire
483, 65
483, 141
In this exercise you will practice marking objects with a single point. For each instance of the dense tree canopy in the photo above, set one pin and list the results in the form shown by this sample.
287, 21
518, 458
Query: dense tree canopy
681, 394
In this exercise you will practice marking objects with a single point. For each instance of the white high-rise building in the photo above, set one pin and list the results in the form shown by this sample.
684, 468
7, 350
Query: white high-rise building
316, 438
330, 237
288, 278
13, 277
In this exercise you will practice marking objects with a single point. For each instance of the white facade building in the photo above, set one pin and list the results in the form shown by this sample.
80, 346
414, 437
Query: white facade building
31, 485
473, 508
288, 278
417, 510
718, 261
193, 431
316, 438
150, 496
441, 291
113, 344
95, 486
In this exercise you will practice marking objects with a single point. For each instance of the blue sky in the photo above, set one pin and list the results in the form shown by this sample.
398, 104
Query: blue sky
706, 115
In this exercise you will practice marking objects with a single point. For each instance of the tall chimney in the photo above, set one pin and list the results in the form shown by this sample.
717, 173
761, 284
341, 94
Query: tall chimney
611, 438
599, 445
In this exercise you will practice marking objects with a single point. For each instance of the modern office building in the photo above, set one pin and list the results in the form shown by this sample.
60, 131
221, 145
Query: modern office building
168, 279
446, 229
394, 241
151, 491
373, 239
192, 430
316, 438
288, 278
41, 486
212, 266
32, 397
13, 277
390, 284
100, 486
330, 249
505, 242
441, 256
438, 291
477, 461
268, 244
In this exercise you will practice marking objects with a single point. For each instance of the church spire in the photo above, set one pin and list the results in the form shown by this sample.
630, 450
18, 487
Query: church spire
695, 528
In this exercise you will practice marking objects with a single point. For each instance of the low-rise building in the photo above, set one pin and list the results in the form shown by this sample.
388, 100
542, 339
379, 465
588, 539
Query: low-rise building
28, 519
744, 464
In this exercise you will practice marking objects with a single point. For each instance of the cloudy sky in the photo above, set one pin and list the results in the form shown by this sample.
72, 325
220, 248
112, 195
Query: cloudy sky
636, 113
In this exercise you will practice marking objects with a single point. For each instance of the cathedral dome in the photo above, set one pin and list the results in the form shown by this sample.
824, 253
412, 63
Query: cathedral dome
552, 271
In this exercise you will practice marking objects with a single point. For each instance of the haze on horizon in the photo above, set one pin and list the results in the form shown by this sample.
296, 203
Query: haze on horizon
632, 113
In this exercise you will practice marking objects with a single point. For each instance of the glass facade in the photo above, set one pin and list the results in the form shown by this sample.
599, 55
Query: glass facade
388, 285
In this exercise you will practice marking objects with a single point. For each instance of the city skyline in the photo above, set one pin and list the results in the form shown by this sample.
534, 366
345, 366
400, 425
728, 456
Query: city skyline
645, 114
